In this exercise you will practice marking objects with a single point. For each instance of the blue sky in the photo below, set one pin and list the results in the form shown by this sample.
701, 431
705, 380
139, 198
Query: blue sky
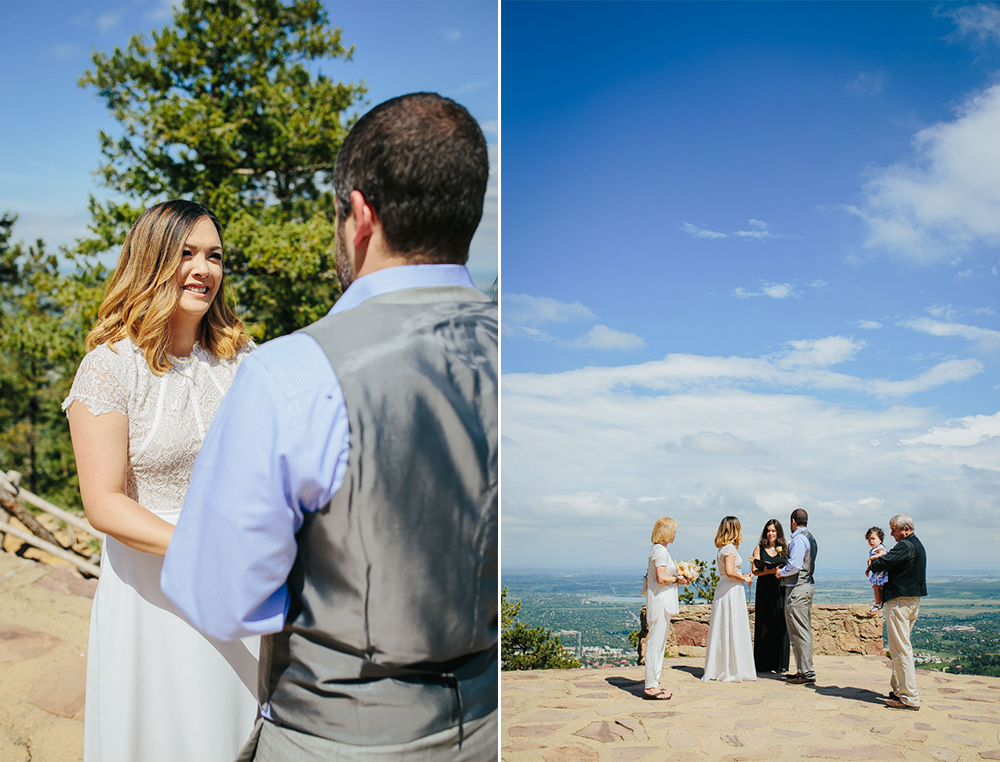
48, 136
750, 263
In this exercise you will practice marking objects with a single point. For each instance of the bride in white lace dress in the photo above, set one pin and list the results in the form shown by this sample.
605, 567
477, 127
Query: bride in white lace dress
729, 650
163, 354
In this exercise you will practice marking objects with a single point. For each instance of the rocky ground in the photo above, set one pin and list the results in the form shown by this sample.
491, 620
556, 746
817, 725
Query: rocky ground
44, 616
598, 715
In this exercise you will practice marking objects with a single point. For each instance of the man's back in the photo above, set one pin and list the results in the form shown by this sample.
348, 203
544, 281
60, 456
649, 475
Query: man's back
397, 576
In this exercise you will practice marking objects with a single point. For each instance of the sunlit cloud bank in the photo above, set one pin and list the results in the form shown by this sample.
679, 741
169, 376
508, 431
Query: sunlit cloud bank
592, 457
945, 198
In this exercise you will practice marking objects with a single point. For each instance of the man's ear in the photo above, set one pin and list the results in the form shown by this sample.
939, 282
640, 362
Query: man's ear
364, 220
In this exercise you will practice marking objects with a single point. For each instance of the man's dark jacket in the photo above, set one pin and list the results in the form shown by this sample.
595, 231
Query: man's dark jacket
907, 567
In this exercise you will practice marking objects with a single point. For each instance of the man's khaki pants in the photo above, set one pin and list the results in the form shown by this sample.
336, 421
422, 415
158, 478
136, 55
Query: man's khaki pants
900, 614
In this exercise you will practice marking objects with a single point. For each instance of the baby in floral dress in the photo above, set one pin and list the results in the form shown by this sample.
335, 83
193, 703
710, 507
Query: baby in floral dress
875, 535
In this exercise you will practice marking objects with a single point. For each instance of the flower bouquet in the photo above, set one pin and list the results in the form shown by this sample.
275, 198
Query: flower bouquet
688, 569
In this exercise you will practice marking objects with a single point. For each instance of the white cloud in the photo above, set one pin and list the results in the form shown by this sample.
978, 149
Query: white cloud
868, 325
986, 339
453, 35
593, 456
944, 199
980, 22
484, 258
963, 432
963, 275
820, 353
490, 127
773, 290
602, 337
797, 368
697, 232
108, 21
522, 309
165, 10
758, 231
64, 50
819, 283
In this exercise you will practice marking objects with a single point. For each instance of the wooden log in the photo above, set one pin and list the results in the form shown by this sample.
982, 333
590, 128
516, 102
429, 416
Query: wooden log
70, 518
48, 547
24, 515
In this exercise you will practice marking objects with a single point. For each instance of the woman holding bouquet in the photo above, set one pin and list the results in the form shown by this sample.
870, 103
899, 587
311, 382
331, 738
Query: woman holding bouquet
162, 355
770, 636
729, 652
662, 579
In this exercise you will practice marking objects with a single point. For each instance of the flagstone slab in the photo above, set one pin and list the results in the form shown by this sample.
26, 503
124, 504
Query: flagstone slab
60, 689
551, 715
679, 738
535, 731
944, 755
854, 753
571, 754
631, 753
19, 643
64, 579
965, 740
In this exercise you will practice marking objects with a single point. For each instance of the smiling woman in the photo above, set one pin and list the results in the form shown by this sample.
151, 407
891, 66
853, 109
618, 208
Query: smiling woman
163, 354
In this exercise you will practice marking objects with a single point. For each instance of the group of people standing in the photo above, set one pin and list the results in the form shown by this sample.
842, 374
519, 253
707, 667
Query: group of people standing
783, 607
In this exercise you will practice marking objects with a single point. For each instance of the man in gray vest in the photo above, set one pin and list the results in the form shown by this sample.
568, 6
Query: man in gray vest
796, 579
344, 503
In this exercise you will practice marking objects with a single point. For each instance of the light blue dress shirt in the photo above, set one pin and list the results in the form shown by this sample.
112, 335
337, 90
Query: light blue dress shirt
276, 449
796, 555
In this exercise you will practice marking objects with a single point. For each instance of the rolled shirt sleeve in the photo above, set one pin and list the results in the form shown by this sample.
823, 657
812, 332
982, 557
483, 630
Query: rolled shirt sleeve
796, 557
256, 475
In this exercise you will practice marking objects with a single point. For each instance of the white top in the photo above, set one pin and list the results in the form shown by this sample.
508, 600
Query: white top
660, 598
168, 415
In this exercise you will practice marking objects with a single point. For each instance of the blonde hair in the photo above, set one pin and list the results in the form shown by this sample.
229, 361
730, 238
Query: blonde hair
663, 530
141, 295
730, 532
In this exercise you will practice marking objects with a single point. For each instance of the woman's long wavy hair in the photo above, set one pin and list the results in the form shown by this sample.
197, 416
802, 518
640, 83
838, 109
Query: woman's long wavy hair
730, 532
778, 541
142, 293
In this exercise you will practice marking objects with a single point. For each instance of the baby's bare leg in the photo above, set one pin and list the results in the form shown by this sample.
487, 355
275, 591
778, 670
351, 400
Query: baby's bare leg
878, 594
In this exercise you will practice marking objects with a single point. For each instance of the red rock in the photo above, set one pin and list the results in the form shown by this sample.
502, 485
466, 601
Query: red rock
63, 579
922, 726
973, 718
60, 689
913, 735
944, 755
967, 740
991, 754
691, 633
534, 731
599, 731
19, 643
551, 715
571, 754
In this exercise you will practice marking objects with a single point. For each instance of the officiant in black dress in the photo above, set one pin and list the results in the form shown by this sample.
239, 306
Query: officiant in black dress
770, 636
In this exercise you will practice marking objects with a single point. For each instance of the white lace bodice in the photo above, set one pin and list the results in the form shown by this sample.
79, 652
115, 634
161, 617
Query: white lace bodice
168, 415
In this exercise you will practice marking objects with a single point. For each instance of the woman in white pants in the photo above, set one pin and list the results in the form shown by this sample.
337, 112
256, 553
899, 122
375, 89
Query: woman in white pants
661, 601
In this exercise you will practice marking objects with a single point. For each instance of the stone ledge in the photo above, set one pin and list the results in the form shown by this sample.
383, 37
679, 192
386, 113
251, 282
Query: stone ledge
838, 630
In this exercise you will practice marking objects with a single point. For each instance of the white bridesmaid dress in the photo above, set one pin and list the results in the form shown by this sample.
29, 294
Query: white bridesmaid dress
729, 652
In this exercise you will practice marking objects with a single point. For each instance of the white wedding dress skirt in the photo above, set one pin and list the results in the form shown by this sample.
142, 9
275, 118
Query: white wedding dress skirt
729, 651
158, 690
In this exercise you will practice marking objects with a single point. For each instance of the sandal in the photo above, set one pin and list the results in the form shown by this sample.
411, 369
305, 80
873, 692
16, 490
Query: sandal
893, 704
658, 694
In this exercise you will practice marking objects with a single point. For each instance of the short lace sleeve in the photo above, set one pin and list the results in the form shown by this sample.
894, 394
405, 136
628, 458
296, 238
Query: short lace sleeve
99, 383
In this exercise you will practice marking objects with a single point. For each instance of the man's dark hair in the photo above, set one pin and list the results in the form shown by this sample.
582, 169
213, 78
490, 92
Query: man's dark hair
800, 517
420, 161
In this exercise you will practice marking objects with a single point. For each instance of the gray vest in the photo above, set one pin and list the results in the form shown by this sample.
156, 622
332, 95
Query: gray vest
805, 575
391, 634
